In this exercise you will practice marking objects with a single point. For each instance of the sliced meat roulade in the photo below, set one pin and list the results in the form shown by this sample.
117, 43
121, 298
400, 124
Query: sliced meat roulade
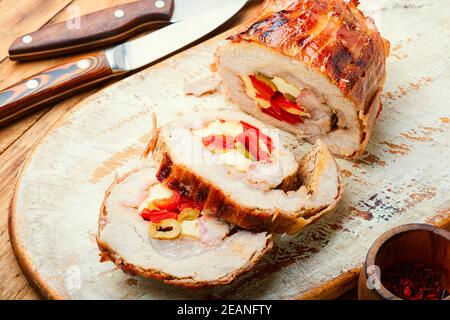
149, 230
315, 68
240, 169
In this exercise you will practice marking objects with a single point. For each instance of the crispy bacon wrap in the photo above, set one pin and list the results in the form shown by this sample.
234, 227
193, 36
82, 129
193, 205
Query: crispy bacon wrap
327, 52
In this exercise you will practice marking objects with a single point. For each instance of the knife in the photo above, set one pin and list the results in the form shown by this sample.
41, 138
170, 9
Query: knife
104, 28
59, 82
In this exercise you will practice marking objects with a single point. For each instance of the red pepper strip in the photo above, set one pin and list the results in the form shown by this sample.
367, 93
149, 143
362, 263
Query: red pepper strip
279, 112
170, 203
277, 102
158, 216
251, 142
281, 115
218, 142
271, 112
264, 91
262, 136
243, 139
284, 103
255, 138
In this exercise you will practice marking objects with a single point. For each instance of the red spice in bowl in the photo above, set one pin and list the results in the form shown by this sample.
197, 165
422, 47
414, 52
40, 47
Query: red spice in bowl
415, 281
407, 262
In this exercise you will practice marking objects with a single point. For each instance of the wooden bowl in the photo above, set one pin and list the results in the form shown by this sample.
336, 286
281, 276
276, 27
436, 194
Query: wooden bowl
407, 243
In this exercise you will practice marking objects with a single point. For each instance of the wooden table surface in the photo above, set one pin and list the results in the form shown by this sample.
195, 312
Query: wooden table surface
16, 140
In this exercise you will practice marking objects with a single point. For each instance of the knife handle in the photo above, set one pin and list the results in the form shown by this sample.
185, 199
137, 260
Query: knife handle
52, 85
98, 29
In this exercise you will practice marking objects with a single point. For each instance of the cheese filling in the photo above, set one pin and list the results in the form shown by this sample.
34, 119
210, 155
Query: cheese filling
222, 138
190, 228
236, 159
285, 87
155, 192
218, 127
172, 216
169, 221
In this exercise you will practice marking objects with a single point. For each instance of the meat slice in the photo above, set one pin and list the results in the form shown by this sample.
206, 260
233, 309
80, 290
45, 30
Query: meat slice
327, 53
216, 258
202, 86
212, 230
277, 193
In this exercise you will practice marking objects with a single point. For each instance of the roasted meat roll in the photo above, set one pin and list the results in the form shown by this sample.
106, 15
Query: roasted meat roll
149, 230
242, 171
314, 68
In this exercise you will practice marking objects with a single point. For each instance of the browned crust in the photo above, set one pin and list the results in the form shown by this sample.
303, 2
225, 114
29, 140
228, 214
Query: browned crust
179, 177
349, 50
367, 123
108, 254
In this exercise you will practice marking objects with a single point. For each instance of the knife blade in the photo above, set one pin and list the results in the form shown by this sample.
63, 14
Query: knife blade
56, 83
130, 55
105, 27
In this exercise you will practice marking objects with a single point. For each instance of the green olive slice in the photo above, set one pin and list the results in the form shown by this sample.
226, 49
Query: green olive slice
165, 230
188, 214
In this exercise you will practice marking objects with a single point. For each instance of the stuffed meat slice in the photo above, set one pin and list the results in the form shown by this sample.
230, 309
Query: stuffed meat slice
149, 230
241, 171
314, 68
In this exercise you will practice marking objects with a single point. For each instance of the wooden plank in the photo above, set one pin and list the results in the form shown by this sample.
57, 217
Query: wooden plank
11, 72
21, 15
25, 16
84, 7
400, 179
17, 140
334, 288
13, 284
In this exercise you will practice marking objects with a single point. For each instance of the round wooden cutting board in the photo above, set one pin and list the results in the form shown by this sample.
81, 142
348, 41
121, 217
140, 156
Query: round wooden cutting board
402, 178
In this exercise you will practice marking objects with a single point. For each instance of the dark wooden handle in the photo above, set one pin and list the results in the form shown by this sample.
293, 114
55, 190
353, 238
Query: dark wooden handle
99, 29
53, 84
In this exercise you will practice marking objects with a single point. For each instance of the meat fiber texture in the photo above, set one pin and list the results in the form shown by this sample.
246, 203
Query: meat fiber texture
283, 196
217, 258
329, 48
